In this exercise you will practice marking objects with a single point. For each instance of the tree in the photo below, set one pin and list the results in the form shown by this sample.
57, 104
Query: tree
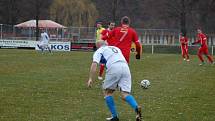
74, 12
179, 10
9, 11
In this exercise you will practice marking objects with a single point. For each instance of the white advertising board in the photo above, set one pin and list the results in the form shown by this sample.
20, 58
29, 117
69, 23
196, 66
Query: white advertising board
17, 43
58, 46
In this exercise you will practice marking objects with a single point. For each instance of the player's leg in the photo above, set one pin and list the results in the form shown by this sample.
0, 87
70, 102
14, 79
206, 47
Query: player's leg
125, 88
102, 67
42, 48
109, 85
200, 51
50, 51
186, 53
38, 45
183, 51
210, 59
111, 105
101, 71
133, 103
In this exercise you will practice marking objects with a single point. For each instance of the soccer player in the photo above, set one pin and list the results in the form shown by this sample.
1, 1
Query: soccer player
106, 32
110, 42
99, 31
117, 76
123, 36
202, 40
184, 46
44, 42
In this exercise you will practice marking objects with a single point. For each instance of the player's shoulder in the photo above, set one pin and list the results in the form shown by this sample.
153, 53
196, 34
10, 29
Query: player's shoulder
132, 29
102, 29
101, 49
117, 28
114, 47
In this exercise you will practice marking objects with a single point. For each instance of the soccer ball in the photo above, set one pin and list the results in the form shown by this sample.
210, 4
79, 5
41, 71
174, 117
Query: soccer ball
145, 84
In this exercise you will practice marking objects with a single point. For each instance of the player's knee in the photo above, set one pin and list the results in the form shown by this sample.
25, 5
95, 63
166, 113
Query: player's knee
109, 92
124, 94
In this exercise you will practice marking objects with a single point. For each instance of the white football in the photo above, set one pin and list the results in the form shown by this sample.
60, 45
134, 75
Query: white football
145, 83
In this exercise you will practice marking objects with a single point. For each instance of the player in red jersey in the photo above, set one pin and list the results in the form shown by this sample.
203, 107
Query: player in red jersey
184, 47
110, 42
123, 37
107, 31
202, 40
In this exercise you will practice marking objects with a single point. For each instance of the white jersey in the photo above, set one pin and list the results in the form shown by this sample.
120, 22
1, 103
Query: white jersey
109, 55
44, 38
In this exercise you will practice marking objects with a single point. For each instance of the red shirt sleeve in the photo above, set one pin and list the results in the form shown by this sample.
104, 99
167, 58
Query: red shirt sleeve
109, 35
104, 32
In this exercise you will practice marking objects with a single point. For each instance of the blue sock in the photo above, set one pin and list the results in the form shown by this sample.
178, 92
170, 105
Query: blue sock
131, 101
111, 105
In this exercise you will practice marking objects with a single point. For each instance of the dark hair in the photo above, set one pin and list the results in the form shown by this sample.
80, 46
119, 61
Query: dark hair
111, 22
125, 20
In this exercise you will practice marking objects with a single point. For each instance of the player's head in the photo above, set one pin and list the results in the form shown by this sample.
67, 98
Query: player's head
99, 25
125, 20
100, 43
111, 25
182, 34
199, 30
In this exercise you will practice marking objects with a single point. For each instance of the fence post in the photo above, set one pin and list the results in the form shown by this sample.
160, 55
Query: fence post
1, 30
152, 49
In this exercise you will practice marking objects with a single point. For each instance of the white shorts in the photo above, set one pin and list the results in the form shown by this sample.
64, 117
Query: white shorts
118, 76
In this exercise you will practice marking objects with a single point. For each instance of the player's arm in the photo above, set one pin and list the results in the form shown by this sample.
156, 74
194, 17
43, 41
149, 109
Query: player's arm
198, 40
137, 44
92, 74
109, 35
96, 59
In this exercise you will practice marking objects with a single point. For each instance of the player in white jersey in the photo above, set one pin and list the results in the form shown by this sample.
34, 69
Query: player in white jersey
117, 76
44, 42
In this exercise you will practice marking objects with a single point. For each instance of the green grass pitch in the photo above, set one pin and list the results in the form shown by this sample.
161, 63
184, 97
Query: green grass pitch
52, 87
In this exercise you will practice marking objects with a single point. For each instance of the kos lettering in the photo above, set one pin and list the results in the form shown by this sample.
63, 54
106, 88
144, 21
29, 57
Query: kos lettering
60, 47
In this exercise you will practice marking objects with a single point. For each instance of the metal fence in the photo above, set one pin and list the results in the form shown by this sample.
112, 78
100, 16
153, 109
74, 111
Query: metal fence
86, 35
158, 36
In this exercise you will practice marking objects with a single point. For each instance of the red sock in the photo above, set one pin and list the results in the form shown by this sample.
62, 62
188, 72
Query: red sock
102, 67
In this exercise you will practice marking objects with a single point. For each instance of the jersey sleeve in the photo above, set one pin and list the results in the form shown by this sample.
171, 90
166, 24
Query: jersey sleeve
198, 39
97, 56
109, 35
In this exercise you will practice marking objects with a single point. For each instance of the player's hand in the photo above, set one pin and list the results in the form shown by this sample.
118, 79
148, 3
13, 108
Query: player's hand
89, 83
137, 56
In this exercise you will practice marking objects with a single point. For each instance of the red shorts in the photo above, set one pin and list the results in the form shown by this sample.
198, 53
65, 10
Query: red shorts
203, 50
184, 48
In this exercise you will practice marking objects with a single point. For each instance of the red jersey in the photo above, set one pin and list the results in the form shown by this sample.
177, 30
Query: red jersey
184, 41
109, 40
123, 37
201, 39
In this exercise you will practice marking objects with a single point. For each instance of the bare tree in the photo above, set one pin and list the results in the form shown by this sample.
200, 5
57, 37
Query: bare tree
74, 12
